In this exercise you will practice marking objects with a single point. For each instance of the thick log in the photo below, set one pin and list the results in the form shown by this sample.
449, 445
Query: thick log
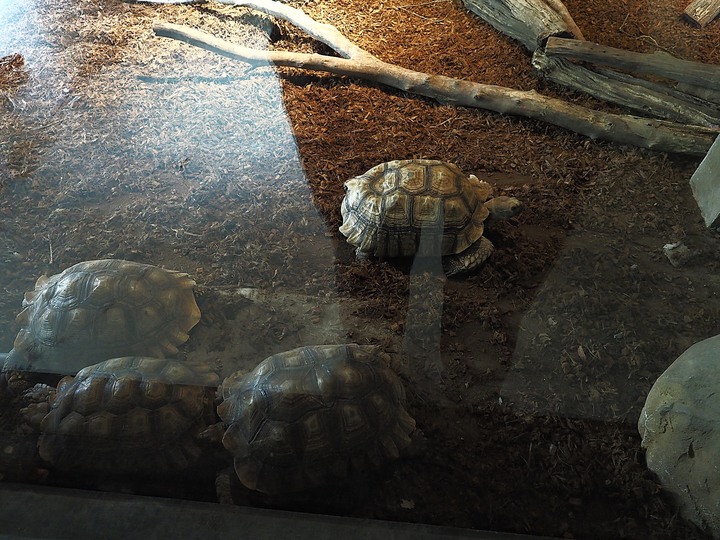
654, 134
702, 12
659, 64
531, 22
642, 96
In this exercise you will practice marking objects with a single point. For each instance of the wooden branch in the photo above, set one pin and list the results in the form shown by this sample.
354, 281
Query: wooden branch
655, 134
643, 96
660, 64
702, 12
531, 22
324, 33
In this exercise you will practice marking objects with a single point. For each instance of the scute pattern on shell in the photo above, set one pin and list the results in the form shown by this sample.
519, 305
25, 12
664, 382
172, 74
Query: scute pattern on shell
388, 209
304, 417
96, 310
131, 415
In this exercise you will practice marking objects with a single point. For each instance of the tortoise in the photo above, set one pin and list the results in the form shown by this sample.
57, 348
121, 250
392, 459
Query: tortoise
421, 207
102, 309
129, 416
312, 416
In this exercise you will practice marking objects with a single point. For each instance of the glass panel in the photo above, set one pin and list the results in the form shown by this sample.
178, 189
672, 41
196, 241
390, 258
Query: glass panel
184, 314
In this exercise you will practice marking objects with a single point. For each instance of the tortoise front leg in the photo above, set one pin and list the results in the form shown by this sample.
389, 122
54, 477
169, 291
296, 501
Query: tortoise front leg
470, 259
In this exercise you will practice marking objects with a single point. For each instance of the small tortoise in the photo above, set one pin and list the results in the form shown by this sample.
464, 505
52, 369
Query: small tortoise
425, 208
131, 415
313, 415
96, 310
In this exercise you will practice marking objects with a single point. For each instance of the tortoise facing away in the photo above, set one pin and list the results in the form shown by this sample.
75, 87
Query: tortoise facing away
422, 207
313, 415
131, 415
102, 309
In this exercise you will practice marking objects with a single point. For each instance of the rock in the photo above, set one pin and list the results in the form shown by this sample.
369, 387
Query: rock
680, 430
677, 253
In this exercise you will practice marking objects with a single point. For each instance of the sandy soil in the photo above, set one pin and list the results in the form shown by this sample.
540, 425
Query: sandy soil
526, 378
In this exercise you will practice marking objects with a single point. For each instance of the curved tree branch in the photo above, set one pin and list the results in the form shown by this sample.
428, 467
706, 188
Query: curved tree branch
654, 134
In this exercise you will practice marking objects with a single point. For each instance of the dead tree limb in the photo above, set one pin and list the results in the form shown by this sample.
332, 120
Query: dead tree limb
702, 12
659, 64
645, 97
531, 22
654, 134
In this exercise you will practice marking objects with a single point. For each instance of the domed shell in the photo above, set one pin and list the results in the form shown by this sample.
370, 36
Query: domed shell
96, 310
308, 416
132, 415
386, 210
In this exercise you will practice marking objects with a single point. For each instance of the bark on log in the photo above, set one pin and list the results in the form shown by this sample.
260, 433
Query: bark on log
707, 94
531, 22
659, 64
642, 96
654, 134
561, 10
702, 12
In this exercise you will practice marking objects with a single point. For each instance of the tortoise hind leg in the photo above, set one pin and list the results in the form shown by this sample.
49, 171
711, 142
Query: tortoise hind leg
470, 259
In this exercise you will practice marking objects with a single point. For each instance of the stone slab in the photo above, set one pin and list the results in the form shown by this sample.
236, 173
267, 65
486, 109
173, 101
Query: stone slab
705, 184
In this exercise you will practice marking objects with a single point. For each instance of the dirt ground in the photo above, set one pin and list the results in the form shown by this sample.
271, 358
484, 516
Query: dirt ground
526, 377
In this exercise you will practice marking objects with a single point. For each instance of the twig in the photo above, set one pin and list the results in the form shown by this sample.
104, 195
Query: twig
407, 9
642, 37
411, 12
423, 4
51, 249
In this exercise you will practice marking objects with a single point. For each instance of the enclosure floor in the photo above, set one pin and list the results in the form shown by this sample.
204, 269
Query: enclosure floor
526, 377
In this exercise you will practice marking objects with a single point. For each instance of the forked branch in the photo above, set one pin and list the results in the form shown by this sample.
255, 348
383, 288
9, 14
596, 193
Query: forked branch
356, 62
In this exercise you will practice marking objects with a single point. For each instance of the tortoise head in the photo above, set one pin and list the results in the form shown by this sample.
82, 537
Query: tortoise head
503, 207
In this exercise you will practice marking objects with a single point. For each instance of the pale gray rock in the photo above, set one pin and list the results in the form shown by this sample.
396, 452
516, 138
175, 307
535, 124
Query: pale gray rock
680, 430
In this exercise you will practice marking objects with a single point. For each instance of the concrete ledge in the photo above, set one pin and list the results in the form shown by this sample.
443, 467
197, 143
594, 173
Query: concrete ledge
40, 512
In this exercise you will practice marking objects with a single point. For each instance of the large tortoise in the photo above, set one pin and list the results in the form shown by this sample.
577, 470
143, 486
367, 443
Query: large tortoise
313, 415
421, 207
131, 415
102, 309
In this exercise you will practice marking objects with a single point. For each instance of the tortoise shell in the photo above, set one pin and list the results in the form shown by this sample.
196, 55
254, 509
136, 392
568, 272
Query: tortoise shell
131, 415
311, 416
96, 310
386, 210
